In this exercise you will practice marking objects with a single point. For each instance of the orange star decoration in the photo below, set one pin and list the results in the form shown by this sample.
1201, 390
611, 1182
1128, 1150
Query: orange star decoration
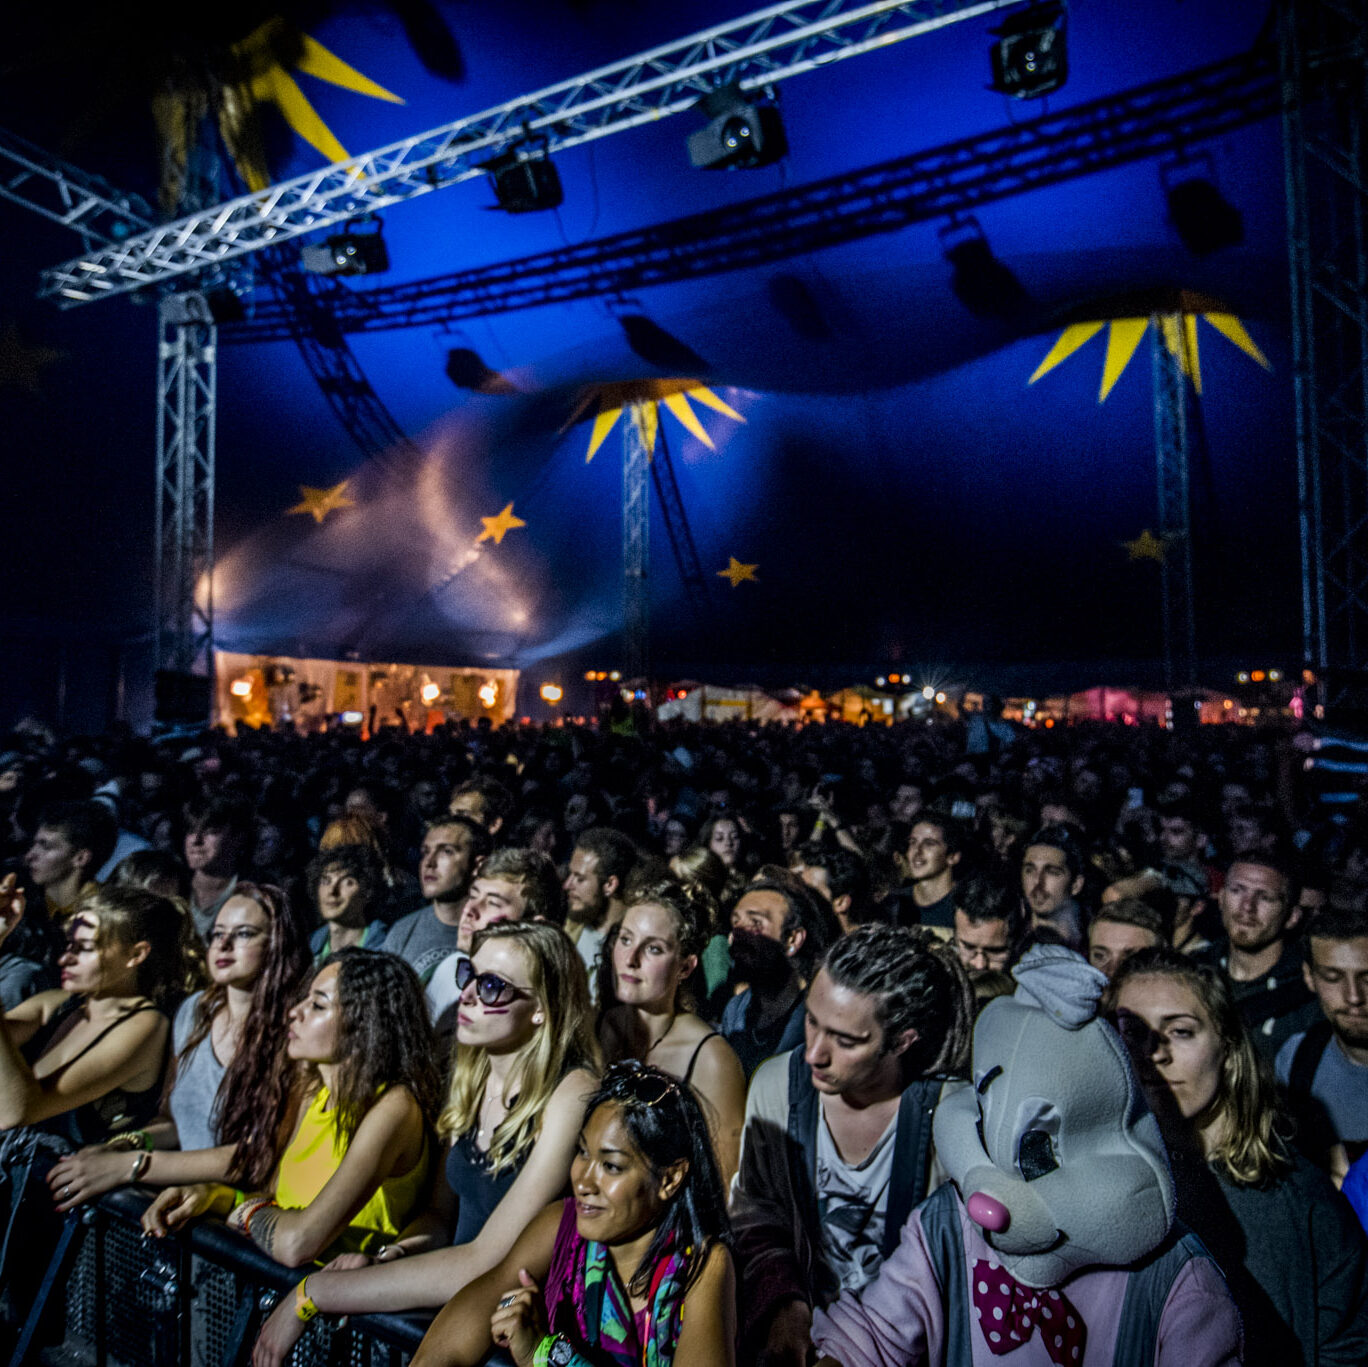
1176, 318
1147, 546
496, 528
318, 503
646, 396
737, 572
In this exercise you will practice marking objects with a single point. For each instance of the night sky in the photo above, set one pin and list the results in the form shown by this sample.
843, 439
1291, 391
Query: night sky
908, 498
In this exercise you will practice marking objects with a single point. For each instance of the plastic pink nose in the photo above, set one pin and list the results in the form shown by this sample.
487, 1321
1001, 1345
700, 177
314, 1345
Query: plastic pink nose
991, 1214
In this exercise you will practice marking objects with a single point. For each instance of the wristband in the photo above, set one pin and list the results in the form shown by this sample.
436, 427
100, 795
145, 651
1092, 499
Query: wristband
238, 1197
305, 1309
542, 1356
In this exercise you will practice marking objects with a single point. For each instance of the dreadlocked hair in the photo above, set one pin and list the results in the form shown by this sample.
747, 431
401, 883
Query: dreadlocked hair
917, 983
254, 1096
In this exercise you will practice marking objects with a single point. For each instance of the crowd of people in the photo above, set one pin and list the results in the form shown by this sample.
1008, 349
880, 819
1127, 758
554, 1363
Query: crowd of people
627, 1044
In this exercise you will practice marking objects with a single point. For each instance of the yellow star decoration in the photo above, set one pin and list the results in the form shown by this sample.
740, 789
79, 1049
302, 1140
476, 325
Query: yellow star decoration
737, 572
1147, 546
1179, 331
263, 80
645, 397
496, 528
318, 503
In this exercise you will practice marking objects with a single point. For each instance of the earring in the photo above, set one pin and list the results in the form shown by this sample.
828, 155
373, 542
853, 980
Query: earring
537, 1018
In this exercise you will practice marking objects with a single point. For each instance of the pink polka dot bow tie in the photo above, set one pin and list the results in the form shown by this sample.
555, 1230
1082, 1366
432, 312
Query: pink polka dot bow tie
1009, 1313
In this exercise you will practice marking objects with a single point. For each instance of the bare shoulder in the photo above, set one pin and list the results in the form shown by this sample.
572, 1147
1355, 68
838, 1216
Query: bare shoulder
574, 1089
717, 1277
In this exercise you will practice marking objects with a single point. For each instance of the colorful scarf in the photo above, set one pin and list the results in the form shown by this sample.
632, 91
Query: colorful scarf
589, 1305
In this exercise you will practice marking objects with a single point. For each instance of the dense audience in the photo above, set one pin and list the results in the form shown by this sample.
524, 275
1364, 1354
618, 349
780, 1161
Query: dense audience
694, 995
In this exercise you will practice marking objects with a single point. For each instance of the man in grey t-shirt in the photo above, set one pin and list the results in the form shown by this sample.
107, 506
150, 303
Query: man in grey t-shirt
1325, 1068
453, 849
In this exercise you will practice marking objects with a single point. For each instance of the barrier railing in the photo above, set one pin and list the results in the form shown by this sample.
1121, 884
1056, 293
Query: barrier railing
194, 1300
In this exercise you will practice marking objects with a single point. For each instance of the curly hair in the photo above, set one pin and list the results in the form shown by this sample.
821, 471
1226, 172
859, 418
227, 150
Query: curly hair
386, 1039
666, 1125
1253, 1151
254, 1097
917, 983
565, 1041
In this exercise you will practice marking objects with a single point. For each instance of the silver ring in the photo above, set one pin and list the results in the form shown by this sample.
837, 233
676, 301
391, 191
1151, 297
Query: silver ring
506, 1302
66, 1191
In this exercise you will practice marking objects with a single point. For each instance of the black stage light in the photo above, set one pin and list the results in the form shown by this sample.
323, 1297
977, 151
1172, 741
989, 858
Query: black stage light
1031, 56
653, 344
466, 369
739, 133
525, 178
986, 287
348, 252
1204, 218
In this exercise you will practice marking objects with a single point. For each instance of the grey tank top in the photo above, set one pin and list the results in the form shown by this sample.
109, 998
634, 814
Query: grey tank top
198, 1077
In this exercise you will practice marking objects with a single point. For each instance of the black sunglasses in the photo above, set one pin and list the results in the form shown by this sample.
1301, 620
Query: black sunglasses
491, 989
638, 1083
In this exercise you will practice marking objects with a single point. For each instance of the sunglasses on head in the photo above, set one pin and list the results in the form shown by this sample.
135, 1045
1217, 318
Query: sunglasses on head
491, 989
637, 1083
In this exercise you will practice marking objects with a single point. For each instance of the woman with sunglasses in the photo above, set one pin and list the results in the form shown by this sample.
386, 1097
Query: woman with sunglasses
229, 1086
85, 1061
525, 1061
363, 1088
632, 1269
654, 966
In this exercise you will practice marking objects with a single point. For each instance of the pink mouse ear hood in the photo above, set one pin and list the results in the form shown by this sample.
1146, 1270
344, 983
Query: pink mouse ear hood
1054, 1136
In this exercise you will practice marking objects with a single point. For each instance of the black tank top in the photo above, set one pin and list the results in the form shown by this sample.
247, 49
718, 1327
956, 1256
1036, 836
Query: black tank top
117, 1110
477, 1190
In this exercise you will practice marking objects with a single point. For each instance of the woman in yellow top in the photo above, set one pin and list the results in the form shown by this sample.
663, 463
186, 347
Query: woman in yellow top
366, 1088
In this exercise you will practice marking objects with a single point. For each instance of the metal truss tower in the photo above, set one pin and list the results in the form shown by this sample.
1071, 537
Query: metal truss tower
636, 539
187, 383
1168, 338
1324, 54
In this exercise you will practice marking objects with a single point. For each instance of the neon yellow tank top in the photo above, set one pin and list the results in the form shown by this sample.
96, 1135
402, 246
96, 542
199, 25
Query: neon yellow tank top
316, 1152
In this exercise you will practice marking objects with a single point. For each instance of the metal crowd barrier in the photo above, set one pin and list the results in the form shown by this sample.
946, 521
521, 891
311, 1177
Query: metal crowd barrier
193, 1300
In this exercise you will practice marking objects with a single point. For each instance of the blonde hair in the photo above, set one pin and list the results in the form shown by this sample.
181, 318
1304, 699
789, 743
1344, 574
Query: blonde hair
564, 1041
1252, 1151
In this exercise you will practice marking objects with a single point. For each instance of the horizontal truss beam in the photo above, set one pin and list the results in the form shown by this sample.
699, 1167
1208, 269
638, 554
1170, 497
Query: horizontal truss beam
759, 49
1150, 121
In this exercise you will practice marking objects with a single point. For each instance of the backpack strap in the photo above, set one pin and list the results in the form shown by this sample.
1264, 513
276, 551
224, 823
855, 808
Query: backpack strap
1147, 1292
802, 1133
911, 1157
1307, 1058
940, 1224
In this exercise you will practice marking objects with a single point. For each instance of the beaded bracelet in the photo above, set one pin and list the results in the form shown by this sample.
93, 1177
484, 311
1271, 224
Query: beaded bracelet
255, 1211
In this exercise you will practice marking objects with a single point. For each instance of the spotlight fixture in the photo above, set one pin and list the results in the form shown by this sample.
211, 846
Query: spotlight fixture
738, 134
659, 348
552, 693
1031, 56
986, 287
1202, 216
348, 252
465, 368
525, 178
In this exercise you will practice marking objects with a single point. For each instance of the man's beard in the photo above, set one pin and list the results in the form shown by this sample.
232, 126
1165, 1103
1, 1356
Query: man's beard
759, 960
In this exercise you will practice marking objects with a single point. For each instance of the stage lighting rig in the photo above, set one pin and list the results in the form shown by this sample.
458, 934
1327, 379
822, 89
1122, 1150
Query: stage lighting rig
349, 252
739, 133
1203, 217
981, 282
525, 178
1031, 56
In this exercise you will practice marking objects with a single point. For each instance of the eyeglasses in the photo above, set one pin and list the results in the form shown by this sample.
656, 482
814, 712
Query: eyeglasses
638, 1083
491, 989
